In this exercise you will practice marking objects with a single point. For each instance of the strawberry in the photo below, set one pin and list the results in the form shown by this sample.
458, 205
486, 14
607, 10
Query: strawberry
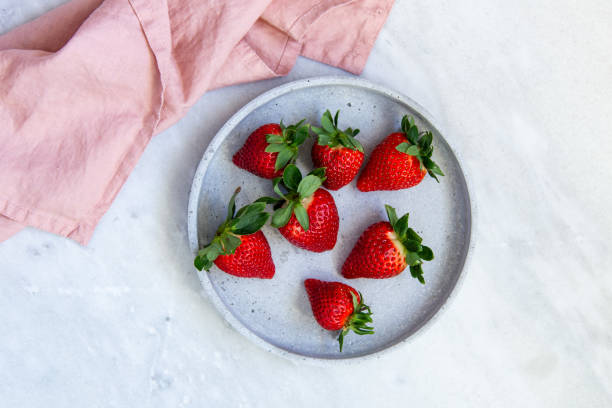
337, 306
385, 249
305, 215
239, 247
400, 161
338, 151
269, 148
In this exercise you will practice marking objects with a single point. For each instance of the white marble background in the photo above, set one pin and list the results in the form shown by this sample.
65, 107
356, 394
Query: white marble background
524, 88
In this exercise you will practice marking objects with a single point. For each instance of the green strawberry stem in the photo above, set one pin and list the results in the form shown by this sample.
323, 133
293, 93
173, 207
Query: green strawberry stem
287, 144
358, 320
416, 252
297, 190
419, 145
329, 134
248, 220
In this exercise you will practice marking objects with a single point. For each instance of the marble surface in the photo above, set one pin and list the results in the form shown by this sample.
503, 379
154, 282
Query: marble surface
524, 89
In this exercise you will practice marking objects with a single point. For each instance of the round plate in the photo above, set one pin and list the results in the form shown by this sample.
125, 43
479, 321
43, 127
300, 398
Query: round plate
276, 313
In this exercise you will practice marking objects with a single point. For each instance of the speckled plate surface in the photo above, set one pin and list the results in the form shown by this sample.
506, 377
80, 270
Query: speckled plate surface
276, 313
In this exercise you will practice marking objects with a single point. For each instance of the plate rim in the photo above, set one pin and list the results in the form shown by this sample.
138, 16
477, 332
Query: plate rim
221, 135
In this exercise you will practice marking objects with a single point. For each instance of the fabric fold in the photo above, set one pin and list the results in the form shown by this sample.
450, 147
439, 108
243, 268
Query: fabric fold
84, 87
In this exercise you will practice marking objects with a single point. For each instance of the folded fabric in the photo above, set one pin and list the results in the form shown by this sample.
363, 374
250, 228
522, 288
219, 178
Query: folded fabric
84, 87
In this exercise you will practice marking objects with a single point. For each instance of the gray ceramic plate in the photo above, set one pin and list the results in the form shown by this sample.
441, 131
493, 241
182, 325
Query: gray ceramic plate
275, 313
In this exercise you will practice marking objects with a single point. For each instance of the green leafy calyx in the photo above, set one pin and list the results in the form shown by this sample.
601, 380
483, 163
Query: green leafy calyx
416, 252
419, 145
358, 320
287, 143
248, 220
297, 190
329, 134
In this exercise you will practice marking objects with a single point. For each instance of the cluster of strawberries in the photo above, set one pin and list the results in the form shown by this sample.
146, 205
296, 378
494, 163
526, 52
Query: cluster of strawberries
306, 214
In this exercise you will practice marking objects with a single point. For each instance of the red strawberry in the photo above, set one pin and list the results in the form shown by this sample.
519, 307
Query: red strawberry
323, 226
385, 249
337, 306
269, 148
239, 247
252, 258
338, 151
308, 217
400, 161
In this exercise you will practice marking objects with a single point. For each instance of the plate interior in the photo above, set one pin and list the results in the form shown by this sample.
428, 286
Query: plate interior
277, 310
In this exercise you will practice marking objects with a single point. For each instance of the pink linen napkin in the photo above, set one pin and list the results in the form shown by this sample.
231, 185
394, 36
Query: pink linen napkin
84, 87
